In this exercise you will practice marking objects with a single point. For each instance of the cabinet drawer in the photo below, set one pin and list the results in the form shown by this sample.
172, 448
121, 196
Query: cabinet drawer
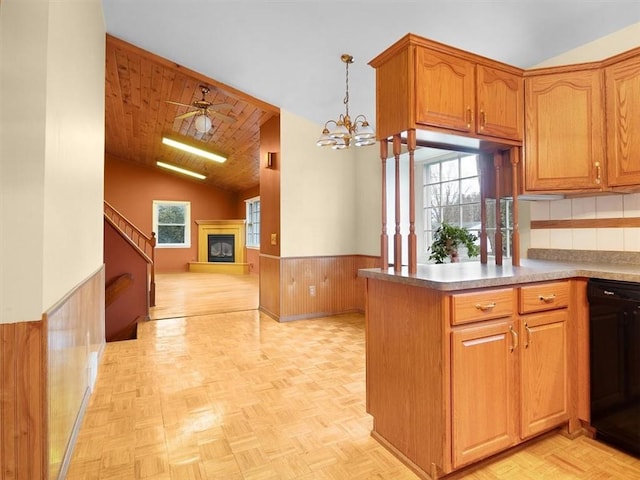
484, 305
544, 296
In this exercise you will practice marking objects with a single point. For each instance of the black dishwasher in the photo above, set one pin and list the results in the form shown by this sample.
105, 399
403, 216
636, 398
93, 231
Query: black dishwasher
614, 340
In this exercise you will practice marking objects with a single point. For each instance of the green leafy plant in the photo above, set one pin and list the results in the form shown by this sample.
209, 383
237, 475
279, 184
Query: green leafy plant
446, 240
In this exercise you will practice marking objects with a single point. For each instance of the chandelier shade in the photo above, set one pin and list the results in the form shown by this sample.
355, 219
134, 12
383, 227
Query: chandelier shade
343, 132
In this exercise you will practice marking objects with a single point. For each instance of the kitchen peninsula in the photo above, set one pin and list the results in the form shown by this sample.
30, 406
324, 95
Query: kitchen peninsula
466, 360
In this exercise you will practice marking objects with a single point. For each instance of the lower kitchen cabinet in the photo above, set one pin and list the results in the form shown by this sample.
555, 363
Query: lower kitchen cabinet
544, 375
508, 383
455, 377
483, 390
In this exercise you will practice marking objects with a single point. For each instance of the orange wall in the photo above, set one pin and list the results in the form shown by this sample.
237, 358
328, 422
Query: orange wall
131, 190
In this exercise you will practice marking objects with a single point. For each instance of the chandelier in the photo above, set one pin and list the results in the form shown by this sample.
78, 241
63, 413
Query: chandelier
346, 132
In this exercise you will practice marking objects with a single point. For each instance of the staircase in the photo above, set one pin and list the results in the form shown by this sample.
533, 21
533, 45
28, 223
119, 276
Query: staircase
130, 264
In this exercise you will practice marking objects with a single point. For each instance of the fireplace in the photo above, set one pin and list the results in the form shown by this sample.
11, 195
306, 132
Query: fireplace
221, 248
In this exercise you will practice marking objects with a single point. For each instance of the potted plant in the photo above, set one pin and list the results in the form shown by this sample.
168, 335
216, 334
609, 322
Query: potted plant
446, 240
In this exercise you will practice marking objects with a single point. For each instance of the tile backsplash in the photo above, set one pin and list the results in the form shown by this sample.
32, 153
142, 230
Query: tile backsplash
607, 206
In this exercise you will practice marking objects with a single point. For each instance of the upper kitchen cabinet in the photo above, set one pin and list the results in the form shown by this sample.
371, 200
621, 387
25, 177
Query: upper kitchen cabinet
428, 86
622, 79
564, 130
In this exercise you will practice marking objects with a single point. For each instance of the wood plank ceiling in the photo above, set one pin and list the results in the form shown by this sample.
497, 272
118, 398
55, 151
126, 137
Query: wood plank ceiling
137, 115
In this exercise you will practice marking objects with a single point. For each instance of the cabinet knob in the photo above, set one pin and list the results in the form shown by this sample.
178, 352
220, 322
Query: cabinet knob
469, 117
598, 178
483, 119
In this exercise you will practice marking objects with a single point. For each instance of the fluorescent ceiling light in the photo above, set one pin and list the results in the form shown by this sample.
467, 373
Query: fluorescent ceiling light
196, 151
184, 171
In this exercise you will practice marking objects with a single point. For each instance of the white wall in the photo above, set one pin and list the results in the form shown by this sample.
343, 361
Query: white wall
368, 200
318, 193
51, 151
611, 206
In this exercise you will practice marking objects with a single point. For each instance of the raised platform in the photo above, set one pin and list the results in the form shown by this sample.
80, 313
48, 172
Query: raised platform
230, 268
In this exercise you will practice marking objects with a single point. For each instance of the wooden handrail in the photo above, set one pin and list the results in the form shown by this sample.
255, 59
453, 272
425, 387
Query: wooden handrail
145, 245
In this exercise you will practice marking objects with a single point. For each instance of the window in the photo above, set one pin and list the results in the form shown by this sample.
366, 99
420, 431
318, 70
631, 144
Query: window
253, 222
172, 224
451, 194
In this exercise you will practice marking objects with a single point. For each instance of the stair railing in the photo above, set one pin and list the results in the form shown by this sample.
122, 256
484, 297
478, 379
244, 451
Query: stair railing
144, 244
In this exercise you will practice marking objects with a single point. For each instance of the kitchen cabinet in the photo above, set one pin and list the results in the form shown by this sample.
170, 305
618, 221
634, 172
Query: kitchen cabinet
454, 377
506, 370
564, 130
483, 390
622, 93
428, 86
458, 94
544, 372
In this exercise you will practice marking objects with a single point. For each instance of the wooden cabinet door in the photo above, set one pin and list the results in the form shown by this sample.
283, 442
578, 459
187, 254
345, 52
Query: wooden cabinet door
445, 91
500, 97
623, 127
544, 372
564, 132
483, 390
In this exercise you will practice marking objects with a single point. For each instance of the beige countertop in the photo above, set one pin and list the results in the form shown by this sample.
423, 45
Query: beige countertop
466, 275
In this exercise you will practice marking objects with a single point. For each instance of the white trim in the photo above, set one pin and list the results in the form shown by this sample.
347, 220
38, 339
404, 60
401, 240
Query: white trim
187, 223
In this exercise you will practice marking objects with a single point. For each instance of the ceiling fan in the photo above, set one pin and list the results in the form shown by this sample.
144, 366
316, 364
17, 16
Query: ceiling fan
204, 110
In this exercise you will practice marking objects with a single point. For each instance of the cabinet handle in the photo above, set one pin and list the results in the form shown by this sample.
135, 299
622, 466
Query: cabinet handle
514, 336
469, 117
598, 179
486, 306
528, 340
483, 119
547, 298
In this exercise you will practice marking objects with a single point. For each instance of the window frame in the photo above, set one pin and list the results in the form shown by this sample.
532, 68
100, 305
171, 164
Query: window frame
252, 235
187, 223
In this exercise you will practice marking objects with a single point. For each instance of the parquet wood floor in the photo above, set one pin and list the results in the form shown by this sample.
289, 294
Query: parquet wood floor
239, 396
189, 293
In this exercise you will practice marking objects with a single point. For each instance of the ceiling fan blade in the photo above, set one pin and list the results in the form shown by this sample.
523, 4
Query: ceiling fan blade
220, 106
179, 104
187, 115
223, 117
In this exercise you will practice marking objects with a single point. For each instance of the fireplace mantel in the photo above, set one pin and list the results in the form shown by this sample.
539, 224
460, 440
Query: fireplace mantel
224, 227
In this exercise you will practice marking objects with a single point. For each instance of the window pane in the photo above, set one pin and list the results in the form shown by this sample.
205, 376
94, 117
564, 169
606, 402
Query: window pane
432, 173
449, 170
470, 190
450, 193
471, 216
432, 195
469, 166
171, 214
451, 215
170, 234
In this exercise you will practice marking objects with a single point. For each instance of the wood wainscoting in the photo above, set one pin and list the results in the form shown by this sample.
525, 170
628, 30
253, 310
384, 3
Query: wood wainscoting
307, 287
44, 382
76, 339
23, 394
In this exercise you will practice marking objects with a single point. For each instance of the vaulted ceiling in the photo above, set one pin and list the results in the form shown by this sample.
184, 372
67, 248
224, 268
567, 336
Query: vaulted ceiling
138, 114
287, 53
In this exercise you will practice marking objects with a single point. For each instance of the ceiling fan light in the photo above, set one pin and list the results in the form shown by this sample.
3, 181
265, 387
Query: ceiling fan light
202, 123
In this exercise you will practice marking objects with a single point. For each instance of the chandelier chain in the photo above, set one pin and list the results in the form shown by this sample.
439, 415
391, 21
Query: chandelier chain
346, 96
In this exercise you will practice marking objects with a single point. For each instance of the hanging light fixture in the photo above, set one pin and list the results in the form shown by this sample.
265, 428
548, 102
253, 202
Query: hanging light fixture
202, 123
345, 132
